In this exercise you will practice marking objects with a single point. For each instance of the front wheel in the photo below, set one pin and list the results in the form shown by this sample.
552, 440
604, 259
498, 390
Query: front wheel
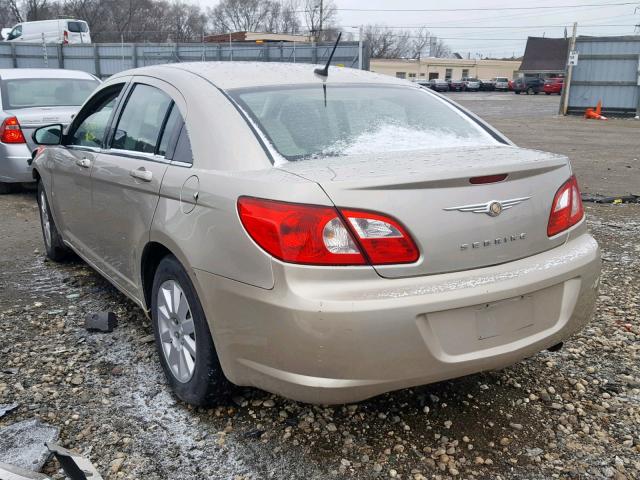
55, 248
183, 339
529, 91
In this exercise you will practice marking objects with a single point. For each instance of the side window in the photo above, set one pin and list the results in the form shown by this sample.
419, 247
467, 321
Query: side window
89, 128
15, 33
183, 151
169, 129
141, 120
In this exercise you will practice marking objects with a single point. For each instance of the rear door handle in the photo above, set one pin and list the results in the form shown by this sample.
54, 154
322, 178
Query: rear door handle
142, 174
84, 163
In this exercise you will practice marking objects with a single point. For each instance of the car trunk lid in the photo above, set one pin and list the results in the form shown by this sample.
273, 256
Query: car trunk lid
449, 218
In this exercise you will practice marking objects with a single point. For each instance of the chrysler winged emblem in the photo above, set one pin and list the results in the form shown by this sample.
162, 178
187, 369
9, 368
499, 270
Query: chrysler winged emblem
493, 208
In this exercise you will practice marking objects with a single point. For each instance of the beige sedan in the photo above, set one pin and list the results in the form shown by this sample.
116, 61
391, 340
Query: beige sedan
324, 238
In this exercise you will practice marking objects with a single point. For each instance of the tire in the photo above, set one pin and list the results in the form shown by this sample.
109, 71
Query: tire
183, 339
55, 248
529, 91
6, 188
547, 93
517, 92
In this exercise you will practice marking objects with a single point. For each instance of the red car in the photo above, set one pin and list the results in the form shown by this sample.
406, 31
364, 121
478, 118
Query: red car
553, 85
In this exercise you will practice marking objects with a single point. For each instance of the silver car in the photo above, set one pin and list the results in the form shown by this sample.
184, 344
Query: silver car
30, 98
324, 238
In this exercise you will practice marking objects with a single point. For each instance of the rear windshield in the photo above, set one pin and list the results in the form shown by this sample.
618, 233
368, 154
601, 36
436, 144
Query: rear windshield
77, 27
45, 92
301, 123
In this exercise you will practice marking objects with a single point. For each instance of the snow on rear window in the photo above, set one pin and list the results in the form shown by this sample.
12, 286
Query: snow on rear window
303, 122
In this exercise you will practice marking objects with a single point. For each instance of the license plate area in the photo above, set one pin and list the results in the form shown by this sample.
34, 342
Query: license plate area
506, 316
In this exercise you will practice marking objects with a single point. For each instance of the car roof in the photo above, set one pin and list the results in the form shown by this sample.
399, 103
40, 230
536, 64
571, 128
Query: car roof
231, 75
18, 73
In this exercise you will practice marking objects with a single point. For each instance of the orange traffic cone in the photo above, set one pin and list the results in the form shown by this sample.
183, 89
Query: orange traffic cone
590, 113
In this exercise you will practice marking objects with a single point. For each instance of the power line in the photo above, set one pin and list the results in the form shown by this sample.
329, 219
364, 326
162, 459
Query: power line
478, 9
458, 27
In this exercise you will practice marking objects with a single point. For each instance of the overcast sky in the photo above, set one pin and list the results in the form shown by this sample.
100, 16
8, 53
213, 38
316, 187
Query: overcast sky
502, 32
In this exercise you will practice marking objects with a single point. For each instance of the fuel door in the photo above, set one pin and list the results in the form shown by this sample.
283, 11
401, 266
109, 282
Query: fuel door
189, 194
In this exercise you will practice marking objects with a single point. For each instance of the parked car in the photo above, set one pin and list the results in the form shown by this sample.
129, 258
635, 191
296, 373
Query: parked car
487, 85
30, 98
511, 83
456, 85
501, 83
327, 239
471, 84
528, 85
439, 85
553, 85
64, 31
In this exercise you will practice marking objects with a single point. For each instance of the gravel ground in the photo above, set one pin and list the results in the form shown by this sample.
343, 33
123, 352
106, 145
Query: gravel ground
569, 414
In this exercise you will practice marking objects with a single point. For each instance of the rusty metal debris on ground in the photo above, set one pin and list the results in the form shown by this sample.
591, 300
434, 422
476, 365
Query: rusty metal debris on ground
101, 322
74, 465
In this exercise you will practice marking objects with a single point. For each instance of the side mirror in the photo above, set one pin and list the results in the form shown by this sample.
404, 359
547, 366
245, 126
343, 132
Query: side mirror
48, 135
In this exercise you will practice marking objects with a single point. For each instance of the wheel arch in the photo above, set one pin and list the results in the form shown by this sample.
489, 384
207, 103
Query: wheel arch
152, 255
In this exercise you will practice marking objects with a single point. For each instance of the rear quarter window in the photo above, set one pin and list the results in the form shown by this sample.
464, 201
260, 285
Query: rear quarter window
77, 27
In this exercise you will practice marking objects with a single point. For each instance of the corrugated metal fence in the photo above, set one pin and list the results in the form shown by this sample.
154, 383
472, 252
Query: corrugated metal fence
608, 69
105, 59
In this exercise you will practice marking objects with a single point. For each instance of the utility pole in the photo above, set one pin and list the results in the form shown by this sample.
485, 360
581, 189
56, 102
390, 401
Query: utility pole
564, 103
360, 49
321, 13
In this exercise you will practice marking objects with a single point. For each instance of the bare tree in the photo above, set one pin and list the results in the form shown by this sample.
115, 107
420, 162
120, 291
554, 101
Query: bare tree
241, 15
10, 13
384, 42
320, 18
186, 22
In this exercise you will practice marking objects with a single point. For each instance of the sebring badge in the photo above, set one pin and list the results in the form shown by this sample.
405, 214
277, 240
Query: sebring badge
493, 208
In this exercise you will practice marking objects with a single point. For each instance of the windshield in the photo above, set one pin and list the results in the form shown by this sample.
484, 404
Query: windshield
45, 92
355, 119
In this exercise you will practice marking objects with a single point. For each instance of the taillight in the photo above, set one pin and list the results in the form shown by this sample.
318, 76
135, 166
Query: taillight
567, 209
10, 131
65, 37
319, 235
382, 238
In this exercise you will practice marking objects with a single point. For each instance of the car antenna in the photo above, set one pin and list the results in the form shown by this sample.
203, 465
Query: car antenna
325, 71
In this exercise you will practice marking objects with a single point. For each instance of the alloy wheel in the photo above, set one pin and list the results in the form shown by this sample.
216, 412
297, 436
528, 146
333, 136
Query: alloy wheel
46, 222
176, 330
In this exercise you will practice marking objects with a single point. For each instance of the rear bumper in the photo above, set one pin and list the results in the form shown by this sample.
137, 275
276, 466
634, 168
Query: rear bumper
14, 163
319, 337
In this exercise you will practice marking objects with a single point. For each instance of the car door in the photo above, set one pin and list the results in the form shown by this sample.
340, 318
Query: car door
126, 178
72, 162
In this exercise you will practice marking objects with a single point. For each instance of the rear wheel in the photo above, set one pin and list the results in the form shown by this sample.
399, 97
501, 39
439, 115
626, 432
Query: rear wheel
183, 338
55, 248
529, 91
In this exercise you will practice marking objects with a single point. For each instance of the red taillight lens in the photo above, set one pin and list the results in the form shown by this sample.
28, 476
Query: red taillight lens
299, 233
384, 240
10, 131
567, 209
65, 37
318, 235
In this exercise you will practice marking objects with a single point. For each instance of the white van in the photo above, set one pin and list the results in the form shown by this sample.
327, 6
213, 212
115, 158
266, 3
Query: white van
65, 31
